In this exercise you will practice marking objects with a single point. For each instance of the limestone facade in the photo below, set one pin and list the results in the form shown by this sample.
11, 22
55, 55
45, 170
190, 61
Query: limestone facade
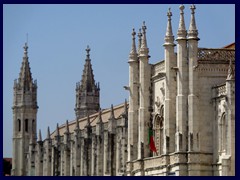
188, 100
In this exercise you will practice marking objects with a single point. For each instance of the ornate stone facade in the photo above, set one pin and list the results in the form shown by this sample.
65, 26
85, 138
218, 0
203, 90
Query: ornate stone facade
188, 100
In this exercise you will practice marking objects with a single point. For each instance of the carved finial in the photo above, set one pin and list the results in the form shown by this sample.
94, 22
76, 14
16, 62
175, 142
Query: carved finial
25, 47
133, 52
169, 13
88, 50
169, 38
139, 40
193, 32
231, 73
144, 38
182, 33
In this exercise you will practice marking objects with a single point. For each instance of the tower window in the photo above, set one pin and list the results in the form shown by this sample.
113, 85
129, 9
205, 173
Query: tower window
26, 125
19, 124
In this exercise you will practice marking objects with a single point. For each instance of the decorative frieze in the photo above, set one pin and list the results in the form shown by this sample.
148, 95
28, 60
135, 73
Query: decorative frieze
213, 55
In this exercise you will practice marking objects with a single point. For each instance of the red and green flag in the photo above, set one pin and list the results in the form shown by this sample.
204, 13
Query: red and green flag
151, 141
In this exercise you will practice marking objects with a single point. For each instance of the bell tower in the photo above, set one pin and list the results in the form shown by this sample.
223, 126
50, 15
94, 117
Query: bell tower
87, 92
24, 116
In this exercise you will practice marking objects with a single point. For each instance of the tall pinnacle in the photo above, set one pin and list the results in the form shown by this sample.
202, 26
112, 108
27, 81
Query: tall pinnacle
77, 124
112, 113
88, 121
169, 38
133, 52
66, 127
57, 131
193, 32
139, 40
182, 33
144, 38
48, 133
40, 135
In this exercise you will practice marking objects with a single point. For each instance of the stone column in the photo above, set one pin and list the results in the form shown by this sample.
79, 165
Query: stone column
144, 114
230, 90
170, 91
133, 101
106, 154
182, 85
193, 85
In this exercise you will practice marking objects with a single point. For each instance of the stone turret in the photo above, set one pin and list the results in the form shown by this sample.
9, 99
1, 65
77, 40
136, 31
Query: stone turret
87, 92
24, 116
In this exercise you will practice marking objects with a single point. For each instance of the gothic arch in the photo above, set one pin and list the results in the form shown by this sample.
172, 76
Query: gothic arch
158, 129
223, 132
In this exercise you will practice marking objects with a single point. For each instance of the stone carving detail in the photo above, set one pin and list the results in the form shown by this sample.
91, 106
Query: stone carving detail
221, 90
216, 54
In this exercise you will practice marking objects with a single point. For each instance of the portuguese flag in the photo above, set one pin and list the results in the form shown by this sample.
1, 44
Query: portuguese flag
151, 141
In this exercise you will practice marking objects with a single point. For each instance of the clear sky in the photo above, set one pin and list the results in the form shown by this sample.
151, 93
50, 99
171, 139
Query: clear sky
59, 34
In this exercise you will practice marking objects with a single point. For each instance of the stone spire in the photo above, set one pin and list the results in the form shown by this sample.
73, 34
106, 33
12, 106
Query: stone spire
39, 136
88, 82
99, 116
48, 133
25, 75
139, 40
66, 128
182, 33
87, 91
231, 73
144, 38
133, 52
193, 32
169, 38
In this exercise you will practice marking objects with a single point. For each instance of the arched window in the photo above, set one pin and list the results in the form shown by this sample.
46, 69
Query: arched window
19, 124
158, 128
26, 125
223, 133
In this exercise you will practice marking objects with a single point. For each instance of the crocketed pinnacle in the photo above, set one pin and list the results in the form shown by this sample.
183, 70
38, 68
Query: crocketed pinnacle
133, 52
139, 40
66, 127
25, 76
182, 33
88, 82
39, 136
193, 32
144, 38
112, 113
231, 73
99, 116
169, 38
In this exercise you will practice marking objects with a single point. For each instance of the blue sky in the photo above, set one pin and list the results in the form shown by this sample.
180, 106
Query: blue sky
59, 34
